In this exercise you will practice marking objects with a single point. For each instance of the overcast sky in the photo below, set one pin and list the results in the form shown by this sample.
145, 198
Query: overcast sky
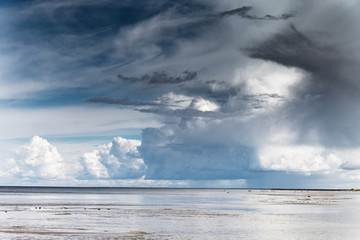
200, 93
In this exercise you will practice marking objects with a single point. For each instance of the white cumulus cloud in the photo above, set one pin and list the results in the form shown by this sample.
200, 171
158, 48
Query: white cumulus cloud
38, 159
295, 158
118, 159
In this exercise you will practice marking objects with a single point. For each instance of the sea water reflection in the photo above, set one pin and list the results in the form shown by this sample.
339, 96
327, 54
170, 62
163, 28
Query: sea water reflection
117, 213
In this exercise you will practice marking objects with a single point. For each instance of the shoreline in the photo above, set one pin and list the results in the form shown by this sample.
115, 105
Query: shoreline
170, 213
174, 188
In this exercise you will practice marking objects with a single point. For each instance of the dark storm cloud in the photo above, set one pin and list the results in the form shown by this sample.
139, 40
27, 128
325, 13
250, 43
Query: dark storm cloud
328, 97
243, 12
350, 166
260, 96
185, 113
161, 78
320, 109
284, 16
120, 101
295, 49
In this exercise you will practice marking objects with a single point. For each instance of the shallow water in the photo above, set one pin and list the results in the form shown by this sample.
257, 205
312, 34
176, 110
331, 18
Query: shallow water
118, 213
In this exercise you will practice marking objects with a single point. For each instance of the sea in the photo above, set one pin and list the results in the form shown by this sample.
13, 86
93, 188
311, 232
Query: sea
174, 213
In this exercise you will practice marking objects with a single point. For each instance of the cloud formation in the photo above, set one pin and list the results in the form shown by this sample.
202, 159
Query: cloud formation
296, 109
252, 91
161, 78
265, 102
121, 162
244, 13
119, 101
38, 160
116, 160
168, 156
306, 159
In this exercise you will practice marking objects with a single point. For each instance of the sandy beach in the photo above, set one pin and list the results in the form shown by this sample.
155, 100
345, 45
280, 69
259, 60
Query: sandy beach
180, 214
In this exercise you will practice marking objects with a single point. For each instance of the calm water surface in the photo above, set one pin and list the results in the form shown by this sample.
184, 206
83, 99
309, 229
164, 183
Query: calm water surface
136, 213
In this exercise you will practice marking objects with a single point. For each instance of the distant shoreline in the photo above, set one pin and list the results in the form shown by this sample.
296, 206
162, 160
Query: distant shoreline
27, 188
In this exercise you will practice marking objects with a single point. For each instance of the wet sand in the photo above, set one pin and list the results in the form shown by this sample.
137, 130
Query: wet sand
181, 214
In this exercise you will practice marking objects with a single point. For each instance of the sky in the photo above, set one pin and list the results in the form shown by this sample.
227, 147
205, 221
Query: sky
191, 93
